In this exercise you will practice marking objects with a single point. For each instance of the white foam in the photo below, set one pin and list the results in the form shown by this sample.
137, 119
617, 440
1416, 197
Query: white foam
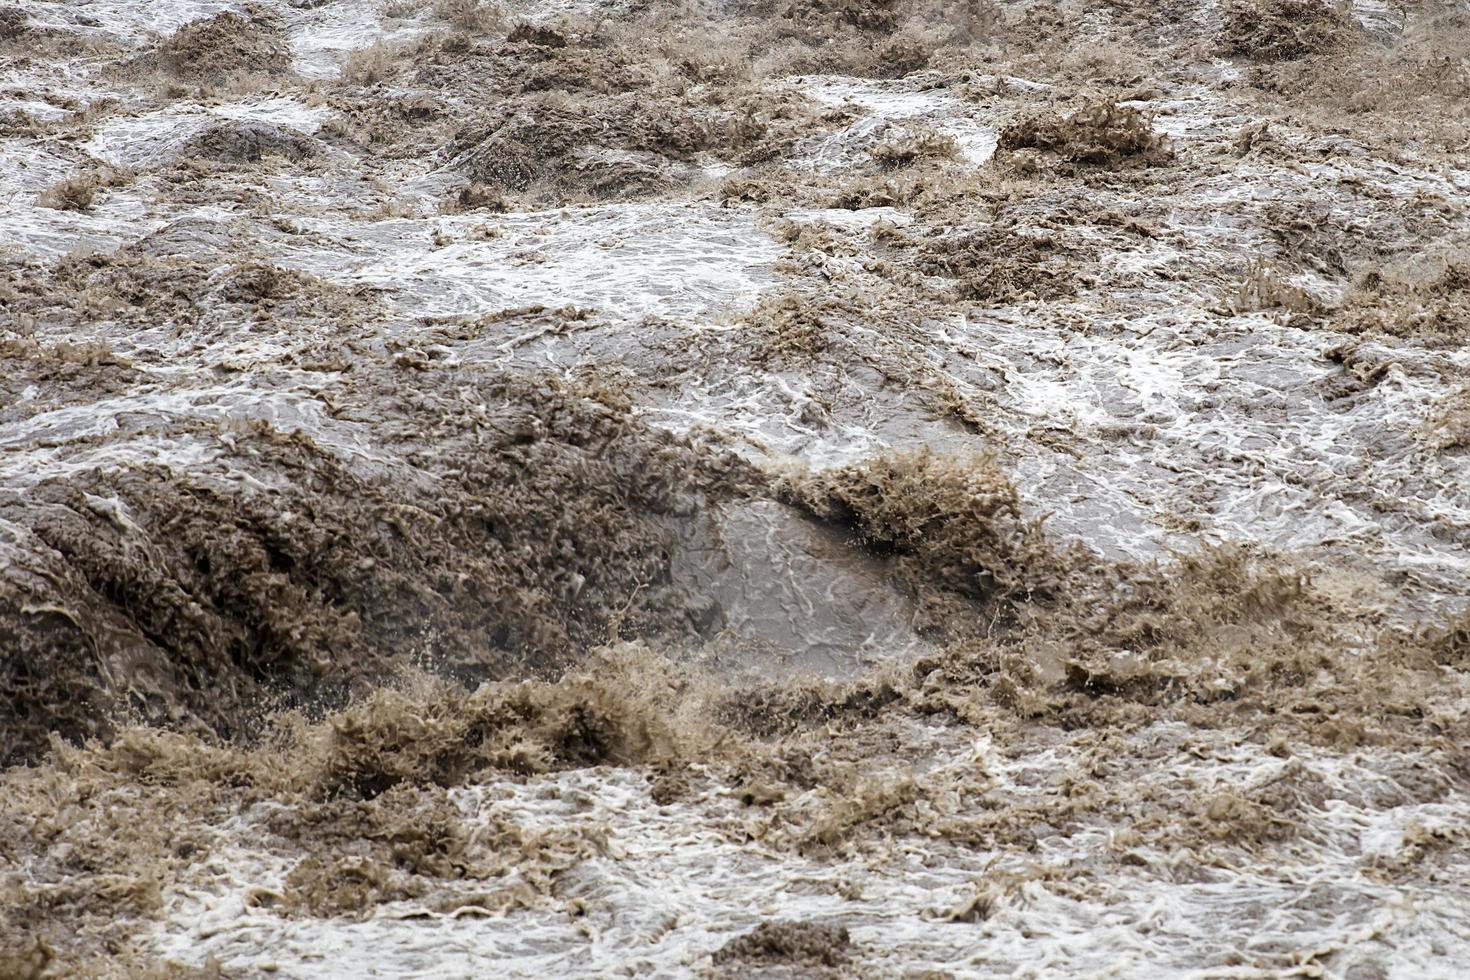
626, 261
156, 137
654, 890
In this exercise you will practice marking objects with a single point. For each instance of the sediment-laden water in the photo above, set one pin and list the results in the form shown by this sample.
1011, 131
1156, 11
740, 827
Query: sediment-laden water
839, 488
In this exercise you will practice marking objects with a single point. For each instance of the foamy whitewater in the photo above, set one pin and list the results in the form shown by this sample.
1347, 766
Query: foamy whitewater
1148, 408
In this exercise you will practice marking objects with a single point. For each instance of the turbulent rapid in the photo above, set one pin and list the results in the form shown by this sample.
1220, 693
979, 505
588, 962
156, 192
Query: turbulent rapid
834, 488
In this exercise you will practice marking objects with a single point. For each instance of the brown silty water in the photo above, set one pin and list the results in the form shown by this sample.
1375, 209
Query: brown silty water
824, 489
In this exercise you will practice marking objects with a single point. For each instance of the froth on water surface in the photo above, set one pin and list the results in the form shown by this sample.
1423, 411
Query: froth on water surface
833, 488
